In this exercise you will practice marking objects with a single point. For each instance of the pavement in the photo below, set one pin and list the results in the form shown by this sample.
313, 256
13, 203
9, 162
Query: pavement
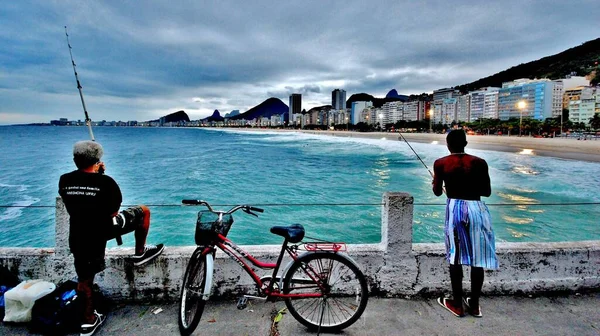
503, 315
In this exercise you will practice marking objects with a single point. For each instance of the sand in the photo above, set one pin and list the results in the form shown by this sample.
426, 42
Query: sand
571, 148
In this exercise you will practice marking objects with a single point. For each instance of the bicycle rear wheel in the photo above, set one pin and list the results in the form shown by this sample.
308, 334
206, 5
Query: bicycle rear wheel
342, 285
192, 304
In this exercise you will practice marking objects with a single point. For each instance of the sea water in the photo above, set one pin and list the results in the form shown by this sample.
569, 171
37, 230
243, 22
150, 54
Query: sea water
300, 178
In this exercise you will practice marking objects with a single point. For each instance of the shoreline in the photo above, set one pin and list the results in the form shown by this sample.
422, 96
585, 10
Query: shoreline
570, 149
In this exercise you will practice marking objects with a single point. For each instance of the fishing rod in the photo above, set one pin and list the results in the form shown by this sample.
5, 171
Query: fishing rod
418, 157
88, 121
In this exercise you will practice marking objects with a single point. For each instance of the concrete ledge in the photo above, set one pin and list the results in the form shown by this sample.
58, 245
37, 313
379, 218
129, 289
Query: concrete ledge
394, 267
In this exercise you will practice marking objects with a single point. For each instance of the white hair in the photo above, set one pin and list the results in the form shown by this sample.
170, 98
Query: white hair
87, 153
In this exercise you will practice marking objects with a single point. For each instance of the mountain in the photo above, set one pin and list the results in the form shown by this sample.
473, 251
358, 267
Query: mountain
377, 102
173, 117
581, 60
394, 94
216, 116
316, 108
266, 109
232, 114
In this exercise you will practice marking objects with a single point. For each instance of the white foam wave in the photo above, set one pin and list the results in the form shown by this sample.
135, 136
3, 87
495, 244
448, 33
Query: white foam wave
19, 187
12, 213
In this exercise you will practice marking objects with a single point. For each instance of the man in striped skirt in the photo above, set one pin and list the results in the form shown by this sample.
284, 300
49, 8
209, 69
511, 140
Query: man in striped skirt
468, 230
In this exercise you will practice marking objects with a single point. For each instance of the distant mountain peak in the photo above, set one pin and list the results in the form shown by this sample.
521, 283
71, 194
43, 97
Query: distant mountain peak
271, 106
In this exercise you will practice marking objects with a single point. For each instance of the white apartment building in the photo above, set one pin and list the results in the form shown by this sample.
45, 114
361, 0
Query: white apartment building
356, 112
414, 110
463, 108
542, 97
448, 110
441, 94
587, 104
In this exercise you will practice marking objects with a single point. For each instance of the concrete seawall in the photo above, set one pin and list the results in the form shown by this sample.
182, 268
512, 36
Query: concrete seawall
394, 267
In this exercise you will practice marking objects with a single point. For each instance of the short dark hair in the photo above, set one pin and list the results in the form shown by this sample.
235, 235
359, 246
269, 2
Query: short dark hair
87, 153
456, 139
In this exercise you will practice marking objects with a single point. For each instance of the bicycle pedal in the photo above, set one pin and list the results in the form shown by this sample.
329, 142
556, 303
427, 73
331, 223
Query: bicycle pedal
242, 303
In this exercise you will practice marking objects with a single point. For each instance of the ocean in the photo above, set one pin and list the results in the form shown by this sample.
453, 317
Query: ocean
162, 166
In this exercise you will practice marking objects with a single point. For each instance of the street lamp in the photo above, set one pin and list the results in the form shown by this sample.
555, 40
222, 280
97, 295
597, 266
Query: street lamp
381, 121
430, 120
521, 105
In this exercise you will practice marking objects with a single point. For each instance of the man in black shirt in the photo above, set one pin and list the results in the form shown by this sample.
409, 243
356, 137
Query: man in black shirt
93, 200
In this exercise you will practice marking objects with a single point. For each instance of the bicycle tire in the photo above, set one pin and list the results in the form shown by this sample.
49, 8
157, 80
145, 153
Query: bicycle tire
191, 304
344, 284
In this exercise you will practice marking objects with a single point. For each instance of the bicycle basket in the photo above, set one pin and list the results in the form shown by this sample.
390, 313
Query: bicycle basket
208, 226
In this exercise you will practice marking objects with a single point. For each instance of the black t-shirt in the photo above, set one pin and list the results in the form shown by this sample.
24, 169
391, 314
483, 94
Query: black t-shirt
91, 200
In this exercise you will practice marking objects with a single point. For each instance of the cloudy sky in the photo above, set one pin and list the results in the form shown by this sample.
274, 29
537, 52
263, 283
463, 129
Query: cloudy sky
139, 60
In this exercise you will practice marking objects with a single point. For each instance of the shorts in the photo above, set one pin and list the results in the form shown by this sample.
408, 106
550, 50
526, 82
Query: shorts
469, 235
88, 264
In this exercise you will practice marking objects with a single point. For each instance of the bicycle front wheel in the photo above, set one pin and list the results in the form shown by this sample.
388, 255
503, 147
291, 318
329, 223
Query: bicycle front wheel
192, 304
342, 285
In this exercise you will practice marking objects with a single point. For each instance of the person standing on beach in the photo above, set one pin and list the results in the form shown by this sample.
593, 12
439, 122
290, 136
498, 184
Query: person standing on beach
468, 229
93, 200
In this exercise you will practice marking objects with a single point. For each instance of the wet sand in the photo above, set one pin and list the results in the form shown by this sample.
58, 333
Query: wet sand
572, 149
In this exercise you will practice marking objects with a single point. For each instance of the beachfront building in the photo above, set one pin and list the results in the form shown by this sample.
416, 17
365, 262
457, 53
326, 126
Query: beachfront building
463, 108
414, 110
295, 107
484, 104
392, 112
357, 109
441, 94
448, 111
338, 99
542, 97
585, 104
277, 120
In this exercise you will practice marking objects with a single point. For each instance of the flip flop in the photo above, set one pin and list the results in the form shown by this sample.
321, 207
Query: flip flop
466, 301
445, 302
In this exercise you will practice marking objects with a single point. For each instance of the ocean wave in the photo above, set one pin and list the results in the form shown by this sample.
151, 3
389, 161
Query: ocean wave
18, 187
12, 213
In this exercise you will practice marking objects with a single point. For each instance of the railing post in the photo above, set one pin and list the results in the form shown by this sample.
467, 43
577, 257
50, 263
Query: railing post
61, 248
399, 273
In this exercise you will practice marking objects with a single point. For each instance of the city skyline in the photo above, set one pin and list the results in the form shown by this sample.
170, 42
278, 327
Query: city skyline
142, 62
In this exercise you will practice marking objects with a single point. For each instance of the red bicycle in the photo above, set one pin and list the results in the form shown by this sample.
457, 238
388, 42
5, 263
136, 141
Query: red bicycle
323, 288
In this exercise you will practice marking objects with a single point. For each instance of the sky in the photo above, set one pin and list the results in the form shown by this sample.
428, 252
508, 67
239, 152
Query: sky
140, 60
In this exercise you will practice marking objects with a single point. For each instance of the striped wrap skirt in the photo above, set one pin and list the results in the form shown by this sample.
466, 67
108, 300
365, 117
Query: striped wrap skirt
469, 236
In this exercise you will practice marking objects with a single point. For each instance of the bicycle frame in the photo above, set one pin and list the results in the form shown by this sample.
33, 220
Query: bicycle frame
240, 256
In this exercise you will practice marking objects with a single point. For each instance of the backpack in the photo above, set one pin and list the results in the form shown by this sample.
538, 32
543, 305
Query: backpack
58, 312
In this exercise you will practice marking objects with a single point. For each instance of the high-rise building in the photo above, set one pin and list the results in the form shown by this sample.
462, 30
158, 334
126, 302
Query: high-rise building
338, 99
463, 108
483, 104
585, 104
448, 110
441, 94
542, 97
414, 110
357, 107
295, 106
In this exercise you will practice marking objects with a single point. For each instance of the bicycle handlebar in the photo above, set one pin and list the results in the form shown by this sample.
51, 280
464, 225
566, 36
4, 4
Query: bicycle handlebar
248, 209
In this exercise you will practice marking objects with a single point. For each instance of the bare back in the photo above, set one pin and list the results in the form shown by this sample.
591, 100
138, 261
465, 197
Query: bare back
464, 177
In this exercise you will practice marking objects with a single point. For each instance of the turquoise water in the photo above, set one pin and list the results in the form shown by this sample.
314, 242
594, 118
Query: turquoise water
164, 165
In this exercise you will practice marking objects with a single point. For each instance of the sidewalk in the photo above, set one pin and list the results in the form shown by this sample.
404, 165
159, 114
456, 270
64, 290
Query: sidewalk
507, 315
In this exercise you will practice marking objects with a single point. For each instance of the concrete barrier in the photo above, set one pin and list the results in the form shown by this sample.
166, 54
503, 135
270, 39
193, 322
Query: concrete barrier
394, 267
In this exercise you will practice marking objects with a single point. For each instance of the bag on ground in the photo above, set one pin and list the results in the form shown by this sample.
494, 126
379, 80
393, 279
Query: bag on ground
58, 312
19, 301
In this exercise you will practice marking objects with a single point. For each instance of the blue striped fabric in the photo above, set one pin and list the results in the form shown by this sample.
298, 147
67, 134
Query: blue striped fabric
471, 222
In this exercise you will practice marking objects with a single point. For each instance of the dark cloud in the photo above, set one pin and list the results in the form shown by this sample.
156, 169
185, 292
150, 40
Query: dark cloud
151, 59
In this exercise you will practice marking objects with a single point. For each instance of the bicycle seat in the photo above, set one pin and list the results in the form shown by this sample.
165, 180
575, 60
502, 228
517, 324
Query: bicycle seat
293, 233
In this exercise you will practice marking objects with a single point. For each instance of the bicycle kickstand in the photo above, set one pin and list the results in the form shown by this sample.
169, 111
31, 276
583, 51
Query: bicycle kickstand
242, 302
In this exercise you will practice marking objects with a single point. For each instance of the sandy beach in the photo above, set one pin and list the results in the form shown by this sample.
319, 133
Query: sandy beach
573, 149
